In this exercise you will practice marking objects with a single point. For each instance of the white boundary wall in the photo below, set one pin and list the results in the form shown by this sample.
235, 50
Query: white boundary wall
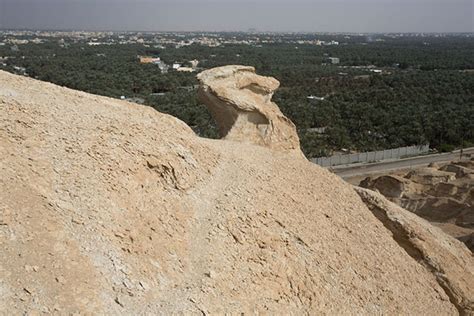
371, 156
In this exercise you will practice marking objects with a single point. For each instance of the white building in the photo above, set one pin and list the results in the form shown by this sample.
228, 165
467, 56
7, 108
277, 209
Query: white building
332, 60
313, 97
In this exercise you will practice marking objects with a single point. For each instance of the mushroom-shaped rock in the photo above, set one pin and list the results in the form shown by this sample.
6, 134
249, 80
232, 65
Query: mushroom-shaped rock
240, 102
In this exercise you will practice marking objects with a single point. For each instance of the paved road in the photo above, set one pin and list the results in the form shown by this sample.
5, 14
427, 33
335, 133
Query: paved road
379, 167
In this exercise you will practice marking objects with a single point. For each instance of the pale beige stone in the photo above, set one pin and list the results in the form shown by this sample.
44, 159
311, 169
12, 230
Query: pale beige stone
240, 102
442, 194
448, 259
161, 208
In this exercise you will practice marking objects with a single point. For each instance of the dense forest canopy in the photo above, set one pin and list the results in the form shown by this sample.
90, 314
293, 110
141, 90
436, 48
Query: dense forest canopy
387, 91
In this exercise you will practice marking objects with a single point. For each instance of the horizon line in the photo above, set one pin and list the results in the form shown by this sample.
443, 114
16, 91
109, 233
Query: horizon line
230, 31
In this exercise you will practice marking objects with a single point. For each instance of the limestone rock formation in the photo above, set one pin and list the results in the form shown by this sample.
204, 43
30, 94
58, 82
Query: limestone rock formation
390, 186
240, 102
448, 259
430, 176
443, 194
109, 207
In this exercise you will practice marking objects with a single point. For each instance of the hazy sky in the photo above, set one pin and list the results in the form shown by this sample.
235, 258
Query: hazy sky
230, 15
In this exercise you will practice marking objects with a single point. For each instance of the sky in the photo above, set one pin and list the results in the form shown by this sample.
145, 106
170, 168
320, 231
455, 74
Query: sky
240, 15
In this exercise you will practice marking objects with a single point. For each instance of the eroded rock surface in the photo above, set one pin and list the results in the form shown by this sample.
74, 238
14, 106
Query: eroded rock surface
442, 194
109, 207
240, 102
390, 186
448, 259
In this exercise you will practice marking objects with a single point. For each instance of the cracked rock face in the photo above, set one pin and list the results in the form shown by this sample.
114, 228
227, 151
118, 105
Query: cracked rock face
240, 102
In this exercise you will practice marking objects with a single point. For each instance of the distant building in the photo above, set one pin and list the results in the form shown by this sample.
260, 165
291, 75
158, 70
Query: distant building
313, 97
18, 41
176, 66
185, 69
317, 130
332, 60
156, 61
149, 60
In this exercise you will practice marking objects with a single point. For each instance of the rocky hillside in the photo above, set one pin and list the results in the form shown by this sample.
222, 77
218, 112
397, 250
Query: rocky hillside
110, 207
444, 195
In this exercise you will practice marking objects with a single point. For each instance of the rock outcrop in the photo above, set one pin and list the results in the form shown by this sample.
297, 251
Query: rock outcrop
109, 207
429, 176
240, 102
441, 194
448, 259
391, 186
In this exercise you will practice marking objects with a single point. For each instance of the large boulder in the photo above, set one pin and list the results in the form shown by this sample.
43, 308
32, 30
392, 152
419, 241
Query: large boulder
391, 186
240, 102
460, 170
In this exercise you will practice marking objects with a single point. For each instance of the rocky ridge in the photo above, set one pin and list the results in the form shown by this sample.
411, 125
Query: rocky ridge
110, 207
447, 260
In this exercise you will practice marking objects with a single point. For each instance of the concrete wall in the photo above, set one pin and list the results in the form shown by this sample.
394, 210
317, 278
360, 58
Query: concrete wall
371, 156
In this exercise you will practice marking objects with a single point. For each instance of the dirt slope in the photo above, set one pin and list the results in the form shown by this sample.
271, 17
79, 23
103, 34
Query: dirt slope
113, 208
